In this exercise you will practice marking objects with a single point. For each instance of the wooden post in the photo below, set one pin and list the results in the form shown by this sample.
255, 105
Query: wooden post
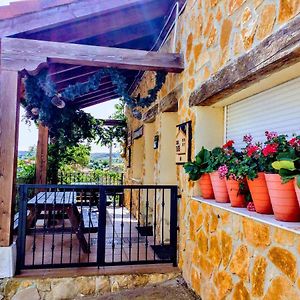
9, 126
42, 155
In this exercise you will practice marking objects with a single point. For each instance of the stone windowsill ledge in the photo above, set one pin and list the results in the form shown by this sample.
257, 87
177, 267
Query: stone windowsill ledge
267, 219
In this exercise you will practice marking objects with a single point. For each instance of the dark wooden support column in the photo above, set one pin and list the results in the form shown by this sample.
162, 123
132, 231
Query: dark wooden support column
42, 155
9, 126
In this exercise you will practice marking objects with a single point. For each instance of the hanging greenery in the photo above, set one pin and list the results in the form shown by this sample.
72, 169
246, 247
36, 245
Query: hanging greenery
79, 89
68, 125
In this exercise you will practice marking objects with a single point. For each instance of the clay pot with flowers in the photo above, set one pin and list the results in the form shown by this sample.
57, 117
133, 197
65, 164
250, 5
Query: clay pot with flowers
281, 188
233, 171
218, 159
254, 167
197, 170
288, 165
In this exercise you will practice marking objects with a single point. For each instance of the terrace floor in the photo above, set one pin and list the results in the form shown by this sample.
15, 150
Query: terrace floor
61, 247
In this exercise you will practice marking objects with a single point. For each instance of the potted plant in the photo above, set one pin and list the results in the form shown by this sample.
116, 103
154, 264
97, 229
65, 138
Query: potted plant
282, 194
288, 165
255, 165
197, 170
218, 159
233, 171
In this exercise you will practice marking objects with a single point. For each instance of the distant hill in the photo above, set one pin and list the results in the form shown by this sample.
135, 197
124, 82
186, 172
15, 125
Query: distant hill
22, 153
94, 156
104, 156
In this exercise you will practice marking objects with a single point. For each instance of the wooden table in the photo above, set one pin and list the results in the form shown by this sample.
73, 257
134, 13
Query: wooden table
50, 202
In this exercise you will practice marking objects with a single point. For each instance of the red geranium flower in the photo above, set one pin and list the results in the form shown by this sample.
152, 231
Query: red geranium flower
228, 144
270, 149
252, 149
294, 142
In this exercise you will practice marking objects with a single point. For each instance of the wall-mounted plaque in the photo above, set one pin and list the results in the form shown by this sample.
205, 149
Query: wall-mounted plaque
156, 141
183, 142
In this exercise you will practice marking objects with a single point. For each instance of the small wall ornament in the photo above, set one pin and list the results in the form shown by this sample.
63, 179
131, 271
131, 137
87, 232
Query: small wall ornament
183, 142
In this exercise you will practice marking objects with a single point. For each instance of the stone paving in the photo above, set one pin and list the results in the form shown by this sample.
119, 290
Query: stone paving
170, 290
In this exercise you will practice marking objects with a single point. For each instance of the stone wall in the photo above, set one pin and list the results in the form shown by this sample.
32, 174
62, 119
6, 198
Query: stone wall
70, 288
220, 253
224, 254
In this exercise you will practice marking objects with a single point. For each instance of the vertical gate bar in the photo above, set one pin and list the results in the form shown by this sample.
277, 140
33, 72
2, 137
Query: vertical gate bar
22, 229
130, 212
173, 225
154, 221
139, 225
34, 234
90, 220
44, 229
71, 234
122, 231
114, 226
80, 222
53, 225
147, 210
63, 228
101, 227
163, 217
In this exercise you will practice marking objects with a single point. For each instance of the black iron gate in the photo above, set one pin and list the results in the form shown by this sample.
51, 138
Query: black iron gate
96, 225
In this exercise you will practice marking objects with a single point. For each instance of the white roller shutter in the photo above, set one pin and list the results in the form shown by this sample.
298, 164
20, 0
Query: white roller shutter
277, 109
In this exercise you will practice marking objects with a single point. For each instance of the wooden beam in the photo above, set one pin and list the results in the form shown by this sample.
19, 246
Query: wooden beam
42, 155
276, 52
104, 23
9, 115
170, 102
150, 115
19, 54
62, 15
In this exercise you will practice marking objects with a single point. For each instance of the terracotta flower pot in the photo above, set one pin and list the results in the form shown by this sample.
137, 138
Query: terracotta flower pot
297, 191
219, 188
283, 198
206, 187
236, 198
260, 195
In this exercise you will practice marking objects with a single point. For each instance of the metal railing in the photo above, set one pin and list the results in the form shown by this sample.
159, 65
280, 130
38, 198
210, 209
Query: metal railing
93, 177
96, 225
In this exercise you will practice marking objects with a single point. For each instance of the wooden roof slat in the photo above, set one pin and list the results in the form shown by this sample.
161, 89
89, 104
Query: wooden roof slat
111, 92
61, 15
55, 69
61, 86
125, 35
101, 100
102, 24
98, 92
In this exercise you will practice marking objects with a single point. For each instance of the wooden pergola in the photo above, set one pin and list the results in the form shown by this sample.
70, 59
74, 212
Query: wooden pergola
73, 39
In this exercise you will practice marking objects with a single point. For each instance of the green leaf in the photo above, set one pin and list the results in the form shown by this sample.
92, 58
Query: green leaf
298, 181
287, 156
283, 164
